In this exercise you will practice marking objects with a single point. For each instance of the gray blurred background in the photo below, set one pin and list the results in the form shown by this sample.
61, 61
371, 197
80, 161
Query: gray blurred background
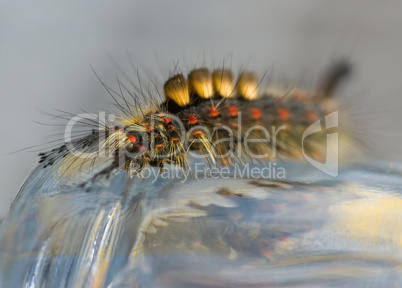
47, 49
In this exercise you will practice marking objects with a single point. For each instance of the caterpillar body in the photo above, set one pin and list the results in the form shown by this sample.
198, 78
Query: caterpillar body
206, 115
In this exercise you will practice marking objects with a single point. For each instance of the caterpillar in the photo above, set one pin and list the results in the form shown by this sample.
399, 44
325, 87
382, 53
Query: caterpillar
207, 115
212, 231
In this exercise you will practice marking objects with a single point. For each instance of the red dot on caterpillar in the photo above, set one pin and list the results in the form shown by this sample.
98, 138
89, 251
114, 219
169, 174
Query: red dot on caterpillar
213, 111
148, 127
191, 119
131, 138
255, 113
311, 116
232, 111
175, 140
197, 134
283, 113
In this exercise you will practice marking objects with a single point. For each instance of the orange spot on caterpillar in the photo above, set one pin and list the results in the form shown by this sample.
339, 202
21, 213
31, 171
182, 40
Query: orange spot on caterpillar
255, 113
232, 110
175, 140
149, 127
213, 111
159, 146
310, 116
131, 138
283, 113
191, 119
197, 134
168, 123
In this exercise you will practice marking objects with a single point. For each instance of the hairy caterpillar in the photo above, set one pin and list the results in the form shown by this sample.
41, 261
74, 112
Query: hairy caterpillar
209, 116
207, 231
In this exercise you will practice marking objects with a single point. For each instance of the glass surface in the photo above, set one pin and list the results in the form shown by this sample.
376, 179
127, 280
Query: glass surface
311, 230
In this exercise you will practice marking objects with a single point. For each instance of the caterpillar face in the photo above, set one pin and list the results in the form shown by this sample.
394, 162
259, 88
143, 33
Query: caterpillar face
213, 116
